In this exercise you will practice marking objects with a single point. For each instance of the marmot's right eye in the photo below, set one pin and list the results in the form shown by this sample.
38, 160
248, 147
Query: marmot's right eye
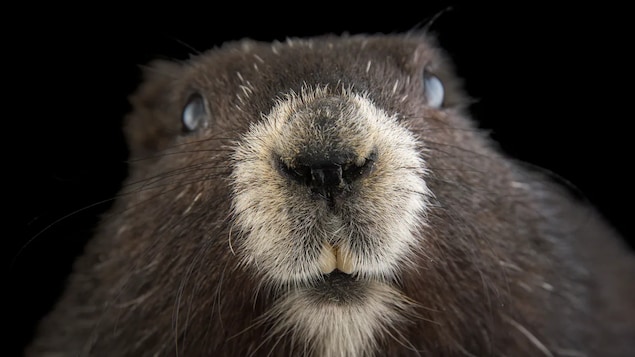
433, 90
195, 115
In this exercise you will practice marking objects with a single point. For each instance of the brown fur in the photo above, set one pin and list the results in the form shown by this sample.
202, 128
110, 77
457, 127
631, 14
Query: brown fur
508, 263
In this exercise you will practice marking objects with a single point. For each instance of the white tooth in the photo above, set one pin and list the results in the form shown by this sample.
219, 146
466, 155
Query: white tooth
344, 262
327, 260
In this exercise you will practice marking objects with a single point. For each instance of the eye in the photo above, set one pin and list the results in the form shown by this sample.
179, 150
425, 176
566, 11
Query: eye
195, 115
433, 90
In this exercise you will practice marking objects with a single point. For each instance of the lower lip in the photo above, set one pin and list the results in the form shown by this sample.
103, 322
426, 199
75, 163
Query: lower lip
338, 287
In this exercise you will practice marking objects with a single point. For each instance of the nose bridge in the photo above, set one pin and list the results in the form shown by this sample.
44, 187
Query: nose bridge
327, 115
329, 141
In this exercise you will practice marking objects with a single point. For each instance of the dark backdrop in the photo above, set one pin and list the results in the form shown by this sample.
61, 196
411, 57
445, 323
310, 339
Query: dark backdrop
546, 78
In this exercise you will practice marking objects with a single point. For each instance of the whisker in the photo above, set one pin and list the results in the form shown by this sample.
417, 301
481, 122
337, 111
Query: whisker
186, 45
172, 173
54, 223
175, 153
531, 337
425, 24
179, 183
177, 303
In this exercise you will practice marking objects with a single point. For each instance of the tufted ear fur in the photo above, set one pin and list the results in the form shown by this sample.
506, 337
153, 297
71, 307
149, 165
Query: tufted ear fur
154, 119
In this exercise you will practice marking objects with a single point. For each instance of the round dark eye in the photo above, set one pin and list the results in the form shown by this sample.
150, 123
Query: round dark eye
195, 115
433, 90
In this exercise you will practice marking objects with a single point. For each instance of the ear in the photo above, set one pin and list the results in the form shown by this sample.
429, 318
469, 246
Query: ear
154, 120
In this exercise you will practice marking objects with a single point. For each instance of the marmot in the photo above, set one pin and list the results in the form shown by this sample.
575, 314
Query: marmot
330, 196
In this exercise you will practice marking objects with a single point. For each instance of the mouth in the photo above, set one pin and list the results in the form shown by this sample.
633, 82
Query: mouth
339, 284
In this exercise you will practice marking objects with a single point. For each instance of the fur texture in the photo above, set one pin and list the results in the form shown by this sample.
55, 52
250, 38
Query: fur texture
218, 241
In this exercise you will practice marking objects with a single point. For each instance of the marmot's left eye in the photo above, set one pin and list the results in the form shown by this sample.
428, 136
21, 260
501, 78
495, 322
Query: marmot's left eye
195, 115
433, 90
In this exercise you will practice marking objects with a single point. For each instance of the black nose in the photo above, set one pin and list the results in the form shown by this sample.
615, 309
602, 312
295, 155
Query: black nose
327, 178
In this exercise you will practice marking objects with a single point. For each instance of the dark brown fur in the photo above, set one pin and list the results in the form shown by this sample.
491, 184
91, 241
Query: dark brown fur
510, 259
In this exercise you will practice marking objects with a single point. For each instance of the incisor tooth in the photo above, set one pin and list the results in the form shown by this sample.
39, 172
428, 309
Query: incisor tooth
344, 262
332, 258
328, 260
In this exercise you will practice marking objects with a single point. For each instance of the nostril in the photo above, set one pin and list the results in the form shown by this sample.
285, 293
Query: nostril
327, 176
299, 173
353, 172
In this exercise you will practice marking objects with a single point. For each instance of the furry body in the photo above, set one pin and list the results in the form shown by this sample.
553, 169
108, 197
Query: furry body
231, 239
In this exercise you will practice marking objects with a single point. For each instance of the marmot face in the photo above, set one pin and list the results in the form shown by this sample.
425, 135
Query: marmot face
326, 197
295, 175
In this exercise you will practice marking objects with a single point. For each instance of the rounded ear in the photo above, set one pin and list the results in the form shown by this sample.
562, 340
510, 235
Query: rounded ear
153, 121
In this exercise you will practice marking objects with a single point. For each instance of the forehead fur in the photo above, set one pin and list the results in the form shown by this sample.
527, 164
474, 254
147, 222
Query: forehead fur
241, 80
366, 63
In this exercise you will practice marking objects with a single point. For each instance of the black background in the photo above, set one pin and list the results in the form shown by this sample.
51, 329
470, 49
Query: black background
546, 78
